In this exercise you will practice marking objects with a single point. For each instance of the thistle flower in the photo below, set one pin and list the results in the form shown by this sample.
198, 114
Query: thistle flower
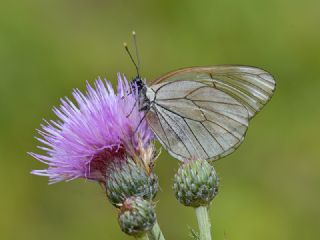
196, 184
103, 127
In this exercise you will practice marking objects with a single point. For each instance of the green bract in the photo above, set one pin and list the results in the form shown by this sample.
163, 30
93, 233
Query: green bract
129, 179
137, 216
196, 183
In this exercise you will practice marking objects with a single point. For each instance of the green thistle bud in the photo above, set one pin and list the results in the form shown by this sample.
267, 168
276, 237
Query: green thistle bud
137, 216
196, 183
128, 179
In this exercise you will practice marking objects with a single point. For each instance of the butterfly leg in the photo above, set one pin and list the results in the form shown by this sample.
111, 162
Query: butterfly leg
133, 107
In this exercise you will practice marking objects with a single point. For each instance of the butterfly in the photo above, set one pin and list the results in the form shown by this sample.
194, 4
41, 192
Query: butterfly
203, 112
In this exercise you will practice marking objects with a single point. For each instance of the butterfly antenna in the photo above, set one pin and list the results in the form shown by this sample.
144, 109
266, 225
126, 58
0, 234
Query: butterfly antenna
134, 35
130, 55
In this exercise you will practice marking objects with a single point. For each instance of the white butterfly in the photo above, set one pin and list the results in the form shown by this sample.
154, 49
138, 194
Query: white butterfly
203, 112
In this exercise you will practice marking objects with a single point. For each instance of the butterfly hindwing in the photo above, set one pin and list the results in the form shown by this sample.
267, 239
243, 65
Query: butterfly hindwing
194, 120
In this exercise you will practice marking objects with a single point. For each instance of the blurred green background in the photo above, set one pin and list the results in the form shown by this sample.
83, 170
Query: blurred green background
270, 187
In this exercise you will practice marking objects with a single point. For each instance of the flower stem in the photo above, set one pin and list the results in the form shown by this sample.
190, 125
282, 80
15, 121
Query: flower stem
155, 233
203, 222
143, 237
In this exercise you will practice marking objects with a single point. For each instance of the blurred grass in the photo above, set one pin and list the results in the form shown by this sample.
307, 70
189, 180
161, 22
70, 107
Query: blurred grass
270, 185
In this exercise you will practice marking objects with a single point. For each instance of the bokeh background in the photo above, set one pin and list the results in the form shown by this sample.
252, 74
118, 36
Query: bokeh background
270, 187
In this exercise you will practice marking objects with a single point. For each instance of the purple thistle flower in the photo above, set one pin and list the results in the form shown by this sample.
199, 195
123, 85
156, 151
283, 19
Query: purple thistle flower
99, 130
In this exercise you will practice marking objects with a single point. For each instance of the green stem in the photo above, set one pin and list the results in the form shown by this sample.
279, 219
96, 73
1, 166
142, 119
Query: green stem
155, 233
203, 222
143, 237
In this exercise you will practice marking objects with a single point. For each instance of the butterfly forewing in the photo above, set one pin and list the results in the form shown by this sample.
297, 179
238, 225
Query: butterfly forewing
250, 86
195, 120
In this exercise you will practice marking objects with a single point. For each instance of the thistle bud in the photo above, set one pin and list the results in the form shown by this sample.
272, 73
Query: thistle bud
196, 183
128, 179
137, 216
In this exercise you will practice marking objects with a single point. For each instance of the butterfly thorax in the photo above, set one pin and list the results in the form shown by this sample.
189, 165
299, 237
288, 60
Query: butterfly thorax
139, 85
